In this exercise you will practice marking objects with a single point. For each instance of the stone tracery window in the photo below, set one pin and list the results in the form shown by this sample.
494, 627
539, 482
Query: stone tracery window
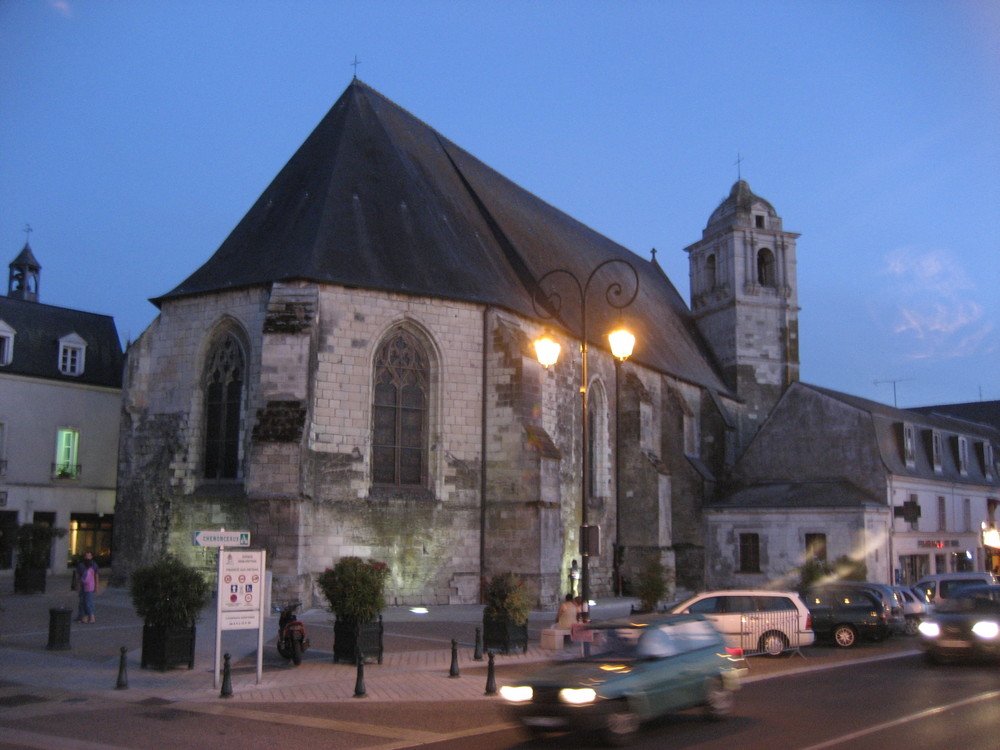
224, 379
399, 410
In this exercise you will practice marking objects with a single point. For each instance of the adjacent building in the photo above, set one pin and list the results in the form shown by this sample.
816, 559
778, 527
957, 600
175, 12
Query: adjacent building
60, 403
907, 492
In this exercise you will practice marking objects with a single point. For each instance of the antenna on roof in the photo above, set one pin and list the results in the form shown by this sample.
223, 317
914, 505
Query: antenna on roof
738, 163
356, 63
897, 380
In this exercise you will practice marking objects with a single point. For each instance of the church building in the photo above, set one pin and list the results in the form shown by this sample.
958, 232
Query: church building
352, 372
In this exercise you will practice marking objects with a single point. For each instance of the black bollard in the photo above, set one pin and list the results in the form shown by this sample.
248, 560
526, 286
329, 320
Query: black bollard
59, 629
227, 679
454, 659
359, 683
122, 672
491, 680
477, 655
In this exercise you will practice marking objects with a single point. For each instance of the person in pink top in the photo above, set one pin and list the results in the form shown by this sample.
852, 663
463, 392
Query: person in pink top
87, 574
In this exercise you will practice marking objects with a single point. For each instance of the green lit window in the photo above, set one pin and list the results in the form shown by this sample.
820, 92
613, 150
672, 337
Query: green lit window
67, 454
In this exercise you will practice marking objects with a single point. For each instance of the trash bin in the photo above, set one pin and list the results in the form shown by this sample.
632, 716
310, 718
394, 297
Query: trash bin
59, 629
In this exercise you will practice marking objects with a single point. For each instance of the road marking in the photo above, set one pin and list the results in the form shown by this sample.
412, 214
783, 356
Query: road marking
904, 720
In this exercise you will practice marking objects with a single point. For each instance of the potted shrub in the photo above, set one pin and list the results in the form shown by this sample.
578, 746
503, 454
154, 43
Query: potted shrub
169, 596
651, 583
355, 593
33, 542
505, 617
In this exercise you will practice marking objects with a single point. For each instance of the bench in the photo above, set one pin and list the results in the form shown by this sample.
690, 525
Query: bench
554, 639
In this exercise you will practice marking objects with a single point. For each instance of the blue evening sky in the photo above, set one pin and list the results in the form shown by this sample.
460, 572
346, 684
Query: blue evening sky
135, 134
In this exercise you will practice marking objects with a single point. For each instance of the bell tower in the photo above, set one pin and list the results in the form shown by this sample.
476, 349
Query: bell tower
22, 282
744, 297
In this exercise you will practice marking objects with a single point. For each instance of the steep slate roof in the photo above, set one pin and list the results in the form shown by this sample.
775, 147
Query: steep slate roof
888, 422
819, 493
980, 412
38, 329
377, 199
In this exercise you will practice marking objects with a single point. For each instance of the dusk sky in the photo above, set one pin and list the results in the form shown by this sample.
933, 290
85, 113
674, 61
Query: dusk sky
134, 136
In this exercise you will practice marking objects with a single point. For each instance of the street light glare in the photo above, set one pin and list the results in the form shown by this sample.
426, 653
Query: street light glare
621, 342
547, 350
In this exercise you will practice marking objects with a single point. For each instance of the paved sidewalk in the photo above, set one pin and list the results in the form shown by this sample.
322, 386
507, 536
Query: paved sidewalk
416, 665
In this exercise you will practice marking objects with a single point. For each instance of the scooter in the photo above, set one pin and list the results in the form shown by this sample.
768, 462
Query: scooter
292, 638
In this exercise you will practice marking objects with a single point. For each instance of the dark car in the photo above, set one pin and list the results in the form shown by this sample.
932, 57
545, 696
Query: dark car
846, 614
642, 667
966, 625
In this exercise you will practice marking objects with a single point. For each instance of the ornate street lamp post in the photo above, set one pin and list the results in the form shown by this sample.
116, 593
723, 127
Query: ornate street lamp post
548, 304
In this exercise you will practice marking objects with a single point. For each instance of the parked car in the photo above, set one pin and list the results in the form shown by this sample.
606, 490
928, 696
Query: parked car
966, 625
846, 614
914, 607
944, 585
642, 667
756, 621
890, 599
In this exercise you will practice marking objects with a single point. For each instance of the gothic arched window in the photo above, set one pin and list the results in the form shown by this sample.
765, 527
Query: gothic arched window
599, 440
765, 268
399, 412
224, 378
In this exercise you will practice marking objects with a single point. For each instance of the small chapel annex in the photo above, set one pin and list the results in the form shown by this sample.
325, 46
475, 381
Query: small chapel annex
352, 373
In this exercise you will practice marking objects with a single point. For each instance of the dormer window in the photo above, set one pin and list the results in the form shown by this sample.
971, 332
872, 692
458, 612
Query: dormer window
909, 441
72, 351
963, 455
988, 459
936, 450
6, 344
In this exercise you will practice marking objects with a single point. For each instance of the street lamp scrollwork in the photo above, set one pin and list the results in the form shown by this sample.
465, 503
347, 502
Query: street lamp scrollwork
548, 304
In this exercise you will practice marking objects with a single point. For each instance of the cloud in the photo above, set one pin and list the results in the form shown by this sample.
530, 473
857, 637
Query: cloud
63, 7
930, 305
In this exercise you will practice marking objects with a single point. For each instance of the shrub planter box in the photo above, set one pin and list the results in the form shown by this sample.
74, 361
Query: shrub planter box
503, 636
348, 635
166, 647
29, 580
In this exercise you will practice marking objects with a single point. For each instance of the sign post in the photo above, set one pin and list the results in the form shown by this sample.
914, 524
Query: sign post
240, 589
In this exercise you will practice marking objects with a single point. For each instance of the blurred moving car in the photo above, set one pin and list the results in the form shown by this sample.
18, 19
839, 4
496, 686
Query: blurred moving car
846, 613
756, 621
642, 667
914, 607
966, 625
945, 585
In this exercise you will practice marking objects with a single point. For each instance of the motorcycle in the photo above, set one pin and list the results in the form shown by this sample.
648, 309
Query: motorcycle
292, 638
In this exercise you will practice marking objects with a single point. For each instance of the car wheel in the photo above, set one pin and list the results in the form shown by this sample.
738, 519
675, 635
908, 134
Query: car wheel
912, 623
719, 701
845, 636
620, 726
772, 643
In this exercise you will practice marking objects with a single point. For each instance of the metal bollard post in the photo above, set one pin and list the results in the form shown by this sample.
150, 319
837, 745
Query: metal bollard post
477, 655
359, 683
59, 629
227, 679
491, 680
122, 683
454, 659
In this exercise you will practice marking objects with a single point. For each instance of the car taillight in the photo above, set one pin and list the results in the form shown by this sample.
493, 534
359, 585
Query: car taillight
809, 621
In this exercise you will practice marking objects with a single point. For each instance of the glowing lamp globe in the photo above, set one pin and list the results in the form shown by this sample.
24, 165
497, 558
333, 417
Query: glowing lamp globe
622, 343
547, 351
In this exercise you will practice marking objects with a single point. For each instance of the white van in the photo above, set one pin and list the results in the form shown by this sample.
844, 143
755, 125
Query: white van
942, 585
754, 620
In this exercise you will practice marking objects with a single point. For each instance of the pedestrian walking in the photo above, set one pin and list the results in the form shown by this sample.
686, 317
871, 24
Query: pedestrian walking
85, 577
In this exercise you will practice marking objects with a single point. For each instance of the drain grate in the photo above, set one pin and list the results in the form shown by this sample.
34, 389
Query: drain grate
21, 699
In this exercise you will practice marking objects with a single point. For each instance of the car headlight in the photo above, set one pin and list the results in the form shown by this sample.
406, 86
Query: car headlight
986, 629
577, 696
516, 693
929, 629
